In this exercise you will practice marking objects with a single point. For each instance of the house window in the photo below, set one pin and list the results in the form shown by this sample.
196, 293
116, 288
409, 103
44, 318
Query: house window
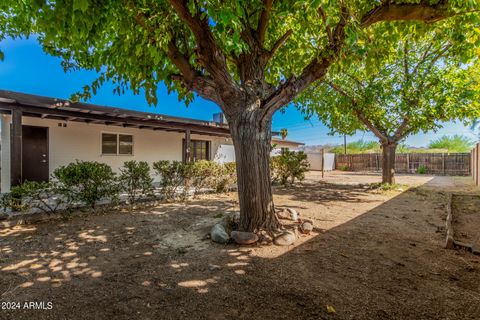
199, 150
117, 144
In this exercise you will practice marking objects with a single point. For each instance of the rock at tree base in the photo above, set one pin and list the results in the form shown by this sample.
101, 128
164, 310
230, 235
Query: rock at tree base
306, 227
241, 237
293, 214
285, 239
230, 221
218, 234
287, 214
282, 214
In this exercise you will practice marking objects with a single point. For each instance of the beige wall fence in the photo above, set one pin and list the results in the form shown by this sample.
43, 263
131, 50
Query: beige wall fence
452, 164
475, 159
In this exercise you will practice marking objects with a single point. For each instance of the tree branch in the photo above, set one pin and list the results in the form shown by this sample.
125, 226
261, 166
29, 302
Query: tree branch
327, 29
279, 43
191, 78
263, 21
361, 116
210, 54
401, 130
406, 12
316, 69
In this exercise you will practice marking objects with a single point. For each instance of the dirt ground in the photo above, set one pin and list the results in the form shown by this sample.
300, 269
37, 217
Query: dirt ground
373, 255
466, 218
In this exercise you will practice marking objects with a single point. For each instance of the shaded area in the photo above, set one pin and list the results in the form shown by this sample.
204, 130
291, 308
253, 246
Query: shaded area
372, 256
466, 218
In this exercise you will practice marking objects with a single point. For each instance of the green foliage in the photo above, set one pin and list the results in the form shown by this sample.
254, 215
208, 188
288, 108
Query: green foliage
455, 143
226, 176
356, 147
128, 42
289, 166
172, 175
86, 182
284, 133
32, 195
343, 168
135, 179
201, 174
14, 200
409, 80
422, 169
195, 176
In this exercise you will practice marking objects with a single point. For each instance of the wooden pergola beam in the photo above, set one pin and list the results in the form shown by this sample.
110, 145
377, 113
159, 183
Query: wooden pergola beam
91, 117
16, 143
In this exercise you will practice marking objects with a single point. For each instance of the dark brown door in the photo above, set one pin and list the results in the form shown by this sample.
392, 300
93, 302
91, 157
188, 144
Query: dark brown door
34, 153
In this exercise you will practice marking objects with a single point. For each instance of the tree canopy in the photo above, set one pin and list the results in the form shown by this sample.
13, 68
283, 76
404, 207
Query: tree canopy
414, 85
195, 46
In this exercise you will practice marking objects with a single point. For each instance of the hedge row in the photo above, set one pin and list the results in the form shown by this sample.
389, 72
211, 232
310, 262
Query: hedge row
85, 183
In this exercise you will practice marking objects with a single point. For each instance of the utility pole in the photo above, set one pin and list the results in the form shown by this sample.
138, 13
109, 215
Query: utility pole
345, 143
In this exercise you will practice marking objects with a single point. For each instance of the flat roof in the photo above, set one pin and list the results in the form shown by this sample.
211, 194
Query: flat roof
66, 110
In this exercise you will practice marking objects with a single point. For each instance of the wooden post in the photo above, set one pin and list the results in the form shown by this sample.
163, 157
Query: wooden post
323, 162
443, 163
476, 163
187, 146
408, 162
16, 148
377, 163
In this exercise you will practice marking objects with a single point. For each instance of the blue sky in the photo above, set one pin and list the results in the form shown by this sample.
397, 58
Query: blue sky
28, 69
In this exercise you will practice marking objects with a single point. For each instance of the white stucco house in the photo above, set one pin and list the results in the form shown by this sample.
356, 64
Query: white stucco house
39, 134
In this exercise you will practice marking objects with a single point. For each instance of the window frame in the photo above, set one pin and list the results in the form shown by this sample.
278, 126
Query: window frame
117, 134
208, 146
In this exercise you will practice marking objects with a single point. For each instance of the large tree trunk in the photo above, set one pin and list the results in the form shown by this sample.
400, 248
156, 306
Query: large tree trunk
388, 162
251, 134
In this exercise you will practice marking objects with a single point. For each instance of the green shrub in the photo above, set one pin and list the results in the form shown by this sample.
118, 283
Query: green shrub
32, 195
422, 169
226, 176
202, 174
135, 180
289, 165
172, 175
14, 200
343, 168
86, 182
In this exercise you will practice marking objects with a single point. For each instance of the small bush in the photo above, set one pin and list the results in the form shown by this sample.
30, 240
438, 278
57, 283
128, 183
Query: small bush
32, 195
86, 182
135, 180
422, 169
14, 200
226, 176
172, 175
343, 168
201, 174
289, 165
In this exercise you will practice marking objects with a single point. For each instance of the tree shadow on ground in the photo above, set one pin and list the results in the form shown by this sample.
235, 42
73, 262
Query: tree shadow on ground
385, 263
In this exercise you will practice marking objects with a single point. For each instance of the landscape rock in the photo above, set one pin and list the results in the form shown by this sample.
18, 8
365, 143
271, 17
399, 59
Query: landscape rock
242, 237
285, 239
218, 234
230, 221
306, 227
282, 214
293, 214
214, 267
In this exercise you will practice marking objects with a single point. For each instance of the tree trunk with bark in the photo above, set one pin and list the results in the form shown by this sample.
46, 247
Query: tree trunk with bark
251, 134
388, 162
